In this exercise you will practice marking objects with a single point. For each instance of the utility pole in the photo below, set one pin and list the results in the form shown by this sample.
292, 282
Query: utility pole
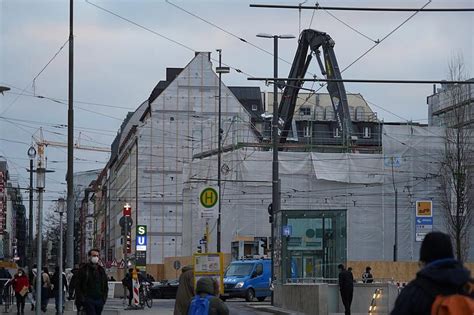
275, 141
61, 202
395, 243
70, 147
220, 70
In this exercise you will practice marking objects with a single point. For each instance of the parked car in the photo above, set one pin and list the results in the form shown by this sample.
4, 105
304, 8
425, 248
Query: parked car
165, 289
248, 279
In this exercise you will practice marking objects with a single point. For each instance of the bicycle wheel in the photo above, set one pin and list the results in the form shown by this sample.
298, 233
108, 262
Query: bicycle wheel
149, 300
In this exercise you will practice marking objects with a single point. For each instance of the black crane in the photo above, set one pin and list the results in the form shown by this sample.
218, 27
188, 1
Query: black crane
314, 40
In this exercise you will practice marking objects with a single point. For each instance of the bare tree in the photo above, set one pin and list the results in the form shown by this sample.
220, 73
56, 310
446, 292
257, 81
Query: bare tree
456, 171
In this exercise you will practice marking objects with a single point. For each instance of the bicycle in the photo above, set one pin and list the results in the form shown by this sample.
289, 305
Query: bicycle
145, 295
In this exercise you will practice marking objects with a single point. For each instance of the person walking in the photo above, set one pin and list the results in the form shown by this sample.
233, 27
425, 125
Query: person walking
4, 277
367, 277
32, 279
91, 285
207, 289
55, 284
45, 289
441, 274
346, 288
127, 282
185, 291
21, 286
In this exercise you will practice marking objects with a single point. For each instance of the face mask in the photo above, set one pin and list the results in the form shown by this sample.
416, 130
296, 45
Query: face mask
20, 274
94, 260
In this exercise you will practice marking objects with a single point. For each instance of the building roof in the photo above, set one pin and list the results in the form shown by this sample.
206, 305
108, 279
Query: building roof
250, 97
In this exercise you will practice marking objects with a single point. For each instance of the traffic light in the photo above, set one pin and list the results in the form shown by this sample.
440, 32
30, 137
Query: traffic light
270, 212
129, 243
199, 249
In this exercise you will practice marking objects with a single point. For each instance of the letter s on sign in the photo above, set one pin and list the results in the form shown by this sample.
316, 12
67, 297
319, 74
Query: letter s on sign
141, 230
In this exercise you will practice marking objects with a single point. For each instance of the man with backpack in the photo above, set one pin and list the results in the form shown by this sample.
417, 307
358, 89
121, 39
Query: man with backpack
442, 286
206, 301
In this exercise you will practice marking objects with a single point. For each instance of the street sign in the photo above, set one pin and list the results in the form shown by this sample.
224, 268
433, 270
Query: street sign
140, 260
287, 230
202, 242
122, 264
114, 263
208, 201
141, 238
176, 265
127, 210
423, 219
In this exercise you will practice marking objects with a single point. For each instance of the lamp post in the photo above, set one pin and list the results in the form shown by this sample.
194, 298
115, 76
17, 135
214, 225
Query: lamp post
31, 155
40, 183
61, 205
275, 140
220, 70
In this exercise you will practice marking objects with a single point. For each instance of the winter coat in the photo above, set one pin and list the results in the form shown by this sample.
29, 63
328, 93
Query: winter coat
346, 283
91, 282
445, 276
19, 282
185, 291
55, 283
204, 287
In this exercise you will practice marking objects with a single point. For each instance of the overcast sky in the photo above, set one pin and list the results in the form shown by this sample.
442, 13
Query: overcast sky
118, 63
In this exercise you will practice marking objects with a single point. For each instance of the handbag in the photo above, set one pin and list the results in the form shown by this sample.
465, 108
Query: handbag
24, 291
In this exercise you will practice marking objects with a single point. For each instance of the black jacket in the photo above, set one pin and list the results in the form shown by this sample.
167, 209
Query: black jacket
91, 281
346, 282
445, 276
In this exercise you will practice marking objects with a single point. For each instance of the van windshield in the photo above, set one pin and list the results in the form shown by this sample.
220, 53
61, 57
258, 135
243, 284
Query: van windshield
238, 270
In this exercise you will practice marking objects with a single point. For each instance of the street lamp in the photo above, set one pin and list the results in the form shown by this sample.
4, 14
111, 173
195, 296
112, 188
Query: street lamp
40, 184
275, 207
4, 89
220, 70
31, 155
61, 206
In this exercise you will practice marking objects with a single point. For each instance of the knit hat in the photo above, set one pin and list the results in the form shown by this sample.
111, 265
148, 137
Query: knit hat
436, 245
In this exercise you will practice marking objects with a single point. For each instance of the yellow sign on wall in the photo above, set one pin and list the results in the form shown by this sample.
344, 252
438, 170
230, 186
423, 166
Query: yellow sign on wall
424, 208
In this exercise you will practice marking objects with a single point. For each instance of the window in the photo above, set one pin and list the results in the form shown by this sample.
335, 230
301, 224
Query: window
366, 133
337, 133
307, 131
305, 111
259, 269
254, 107
360, 113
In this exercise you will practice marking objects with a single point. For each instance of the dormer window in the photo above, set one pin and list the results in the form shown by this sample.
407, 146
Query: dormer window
305, 111
254, 107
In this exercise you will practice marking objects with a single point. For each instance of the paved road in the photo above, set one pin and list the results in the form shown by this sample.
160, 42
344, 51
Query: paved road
162, 307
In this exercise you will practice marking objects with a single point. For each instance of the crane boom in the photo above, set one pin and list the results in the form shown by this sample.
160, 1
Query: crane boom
313, 40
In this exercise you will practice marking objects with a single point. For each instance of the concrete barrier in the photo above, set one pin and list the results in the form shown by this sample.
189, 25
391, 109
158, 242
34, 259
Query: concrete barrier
324, 299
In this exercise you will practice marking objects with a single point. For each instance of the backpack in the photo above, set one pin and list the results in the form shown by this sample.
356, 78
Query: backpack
458, 304
200, 305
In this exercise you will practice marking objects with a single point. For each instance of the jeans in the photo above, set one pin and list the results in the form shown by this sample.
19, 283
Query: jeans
93, 306
56, 299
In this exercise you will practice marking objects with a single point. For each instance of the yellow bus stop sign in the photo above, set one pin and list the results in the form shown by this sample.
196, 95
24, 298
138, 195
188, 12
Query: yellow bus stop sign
208, 197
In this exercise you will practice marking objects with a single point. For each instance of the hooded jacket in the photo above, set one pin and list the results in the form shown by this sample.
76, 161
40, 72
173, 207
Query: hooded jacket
204, 287
185, 291
444, 276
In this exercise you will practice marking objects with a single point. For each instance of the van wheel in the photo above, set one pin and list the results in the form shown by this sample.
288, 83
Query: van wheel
249, 295
261, 299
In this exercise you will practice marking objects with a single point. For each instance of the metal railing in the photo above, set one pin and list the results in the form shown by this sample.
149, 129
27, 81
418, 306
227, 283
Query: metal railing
334, 280
8, 295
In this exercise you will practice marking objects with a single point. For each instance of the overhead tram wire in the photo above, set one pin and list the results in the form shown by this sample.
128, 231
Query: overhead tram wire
370, 9
26, 87
364, 81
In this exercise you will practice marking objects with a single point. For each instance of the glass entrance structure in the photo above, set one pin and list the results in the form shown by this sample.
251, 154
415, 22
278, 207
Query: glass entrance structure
313, 243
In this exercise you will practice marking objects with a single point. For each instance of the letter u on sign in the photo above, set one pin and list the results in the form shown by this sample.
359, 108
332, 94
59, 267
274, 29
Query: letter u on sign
141, 240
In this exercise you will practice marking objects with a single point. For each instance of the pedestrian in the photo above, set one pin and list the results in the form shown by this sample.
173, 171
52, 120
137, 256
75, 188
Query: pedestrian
206, 301
21, 286
367, 276
32, 293
346, 288
185, 291
127, 282
45, 289
4, 277
91, 285
55, 284
440, 275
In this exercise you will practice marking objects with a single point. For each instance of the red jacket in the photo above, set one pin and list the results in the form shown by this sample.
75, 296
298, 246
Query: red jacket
20, 282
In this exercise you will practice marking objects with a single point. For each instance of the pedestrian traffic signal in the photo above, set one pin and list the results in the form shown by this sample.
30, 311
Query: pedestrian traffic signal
129, 243
199, 249
270, 212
